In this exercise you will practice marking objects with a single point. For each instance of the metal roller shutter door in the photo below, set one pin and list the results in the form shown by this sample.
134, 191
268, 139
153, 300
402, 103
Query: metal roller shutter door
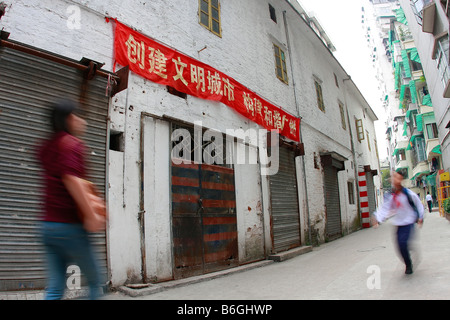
28, 84
332, 203
371, 192
284, 203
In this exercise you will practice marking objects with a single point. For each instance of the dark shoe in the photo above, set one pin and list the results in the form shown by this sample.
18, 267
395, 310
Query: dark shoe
408, 270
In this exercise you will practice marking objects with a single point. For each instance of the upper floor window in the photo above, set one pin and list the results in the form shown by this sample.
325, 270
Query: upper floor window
401, 155
351, 194
417, 8
341, 109
359, 129
368, 140
432, 131
446, 6
273, 14
209, 14
280, 61
336, 80
418, 151
320, 103
442, 58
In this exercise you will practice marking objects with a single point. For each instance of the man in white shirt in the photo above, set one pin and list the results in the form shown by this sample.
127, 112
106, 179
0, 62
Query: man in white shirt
405, 209
429, 199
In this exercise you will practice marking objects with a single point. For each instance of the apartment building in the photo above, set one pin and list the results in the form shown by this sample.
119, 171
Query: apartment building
428, 23
412, 130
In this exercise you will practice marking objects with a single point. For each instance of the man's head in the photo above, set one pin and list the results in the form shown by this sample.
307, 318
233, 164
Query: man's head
65, 117
396, 180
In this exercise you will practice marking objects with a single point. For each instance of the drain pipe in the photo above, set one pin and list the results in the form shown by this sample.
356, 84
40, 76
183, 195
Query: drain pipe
305, 185
355, 170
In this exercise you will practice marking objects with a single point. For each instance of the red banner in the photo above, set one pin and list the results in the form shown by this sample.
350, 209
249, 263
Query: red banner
166, 66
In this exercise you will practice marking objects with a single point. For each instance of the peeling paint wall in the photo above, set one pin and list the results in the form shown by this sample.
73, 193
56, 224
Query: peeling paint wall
249, 211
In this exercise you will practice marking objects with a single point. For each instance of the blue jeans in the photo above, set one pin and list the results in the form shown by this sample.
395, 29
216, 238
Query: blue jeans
404, 234
65, 244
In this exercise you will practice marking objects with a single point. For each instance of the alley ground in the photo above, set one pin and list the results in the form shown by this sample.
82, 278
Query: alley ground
363, 265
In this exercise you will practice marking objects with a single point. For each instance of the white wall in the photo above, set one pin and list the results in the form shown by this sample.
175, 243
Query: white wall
249, 206
322, 131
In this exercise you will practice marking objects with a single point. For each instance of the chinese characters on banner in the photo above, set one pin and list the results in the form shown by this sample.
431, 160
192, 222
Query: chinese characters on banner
163, 65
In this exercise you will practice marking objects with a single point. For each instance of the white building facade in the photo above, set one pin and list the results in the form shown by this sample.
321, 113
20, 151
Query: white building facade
169, 221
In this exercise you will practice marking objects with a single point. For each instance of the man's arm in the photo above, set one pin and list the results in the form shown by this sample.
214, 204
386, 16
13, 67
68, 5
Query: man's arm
383, 213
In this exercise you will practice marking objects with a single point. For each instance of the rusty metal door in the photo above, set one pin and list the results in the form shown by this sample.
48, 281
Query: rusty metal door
204, 221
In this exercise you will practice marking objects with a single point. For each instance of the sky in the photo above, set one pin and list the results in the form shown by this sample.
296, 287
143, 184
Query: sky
341, 20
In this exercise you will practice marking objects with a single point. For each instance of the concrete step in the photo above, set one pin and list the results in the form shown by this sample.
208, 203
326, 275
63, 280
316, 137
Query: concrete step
136, 290
282, 256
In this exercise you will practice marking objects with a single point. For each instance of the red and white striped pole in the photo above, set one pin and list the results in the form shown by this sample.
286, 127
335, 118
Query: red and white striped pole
363, 199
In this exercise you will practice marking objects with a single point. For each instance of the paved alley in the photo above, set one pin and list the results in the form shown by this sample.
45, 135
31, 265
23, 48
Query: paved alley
363, 265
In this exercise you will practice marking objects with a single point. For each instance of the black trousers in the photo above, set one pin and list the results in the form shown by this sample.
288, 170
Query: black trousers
404, 234
430, 205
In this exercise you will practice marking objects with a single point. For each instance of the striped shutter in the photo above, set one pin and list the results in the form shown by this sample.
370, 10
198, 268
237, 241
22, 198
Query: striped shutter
28, 85
204, 223
219, 217
186, 220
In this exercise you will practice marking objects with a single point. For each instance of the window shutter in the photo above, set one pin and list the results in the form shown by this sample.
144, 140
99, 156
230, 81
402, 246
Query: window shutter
359, 129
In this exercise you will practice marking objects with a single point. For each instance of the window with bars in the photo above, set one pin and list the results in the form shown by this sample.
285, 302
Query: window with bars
417, 8
209, 15
446, 7
418, 151
442, 59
